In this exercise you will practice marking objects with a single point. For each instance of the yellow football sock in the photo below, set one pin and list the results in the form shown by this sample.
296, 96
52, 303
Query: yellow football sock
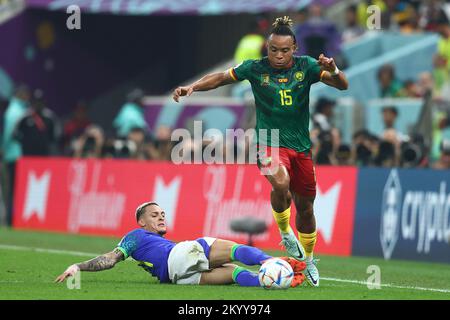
282, 219
308, 241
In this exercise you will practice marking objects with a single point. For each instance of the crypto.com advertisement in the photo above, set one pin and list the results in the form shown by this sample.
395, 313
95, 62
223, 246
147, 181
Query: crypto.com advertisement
403, 214
99, 197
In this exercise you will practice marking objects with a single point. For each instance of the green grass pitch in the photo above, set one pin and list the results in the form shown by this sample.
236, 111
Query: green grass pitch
28, 273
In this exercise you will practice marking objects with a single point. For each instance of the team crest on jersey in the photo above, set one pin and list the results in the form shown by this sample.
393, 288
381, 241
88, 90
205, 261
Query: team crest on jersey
299, 76
265, 79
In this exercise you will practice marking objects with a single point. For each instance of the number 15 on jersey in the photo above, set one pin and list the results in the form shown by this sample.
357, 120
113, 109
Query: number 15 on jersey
286, 98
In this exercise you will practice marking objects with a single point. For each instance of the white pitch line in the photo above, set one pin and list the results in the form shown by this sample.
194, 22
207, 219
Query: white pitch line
387, 285
55, 251
73, 253
86, 254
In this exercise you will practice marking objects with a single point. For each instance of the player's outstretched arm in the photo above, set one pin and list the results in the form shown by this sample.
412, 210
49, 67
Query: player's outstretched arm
208, 82
329, 75
104, 262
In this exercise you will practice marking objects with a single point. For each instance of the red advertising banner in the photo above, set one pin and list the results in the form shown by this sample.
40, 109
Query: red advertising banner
100, 196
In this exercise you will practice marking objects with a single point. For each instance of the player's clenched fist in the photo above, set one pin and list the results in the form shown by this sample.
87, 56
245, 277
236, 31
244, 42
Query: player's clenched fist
70, 271
182, 91
327, 64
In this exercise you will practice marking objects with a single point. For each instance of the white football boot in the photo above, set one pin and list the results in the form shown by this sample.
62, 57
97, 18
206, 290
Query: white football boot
292, 245
311, 272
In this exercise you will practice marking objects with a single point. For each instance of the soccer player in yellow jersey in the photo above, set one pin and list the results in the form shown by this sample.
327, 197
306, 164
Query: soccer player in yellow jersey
281, 83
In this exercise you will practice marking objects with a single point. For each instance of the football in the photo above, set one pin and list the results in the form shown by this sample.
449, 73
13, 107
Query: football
275, 273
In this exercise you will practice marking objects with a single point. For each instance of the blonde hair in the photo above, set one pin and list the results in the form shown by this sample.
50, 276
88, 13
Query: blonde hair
283, 21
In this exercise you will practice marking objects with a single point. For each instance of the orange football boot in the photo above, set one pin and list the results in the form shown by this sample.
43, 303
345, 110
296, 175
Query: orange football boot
298, 280
297, 266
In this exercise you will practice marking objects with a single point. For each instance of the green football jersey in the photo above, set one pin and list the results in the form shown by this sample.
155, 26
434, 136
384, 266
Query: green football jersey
282, 99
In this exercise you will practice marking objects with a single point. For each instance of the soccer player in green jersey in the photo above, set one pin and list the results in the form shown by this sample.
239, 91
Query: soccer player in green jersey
280, 83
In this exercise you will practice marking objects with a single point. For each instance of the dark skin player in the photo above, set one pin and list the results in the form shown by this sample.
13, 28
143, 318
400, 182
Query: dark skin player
280, 50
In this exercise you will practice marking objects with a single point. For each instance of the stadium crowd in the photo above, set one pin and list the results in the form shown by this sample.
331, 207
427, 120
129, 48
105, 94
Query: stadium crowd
77, 136
30, 128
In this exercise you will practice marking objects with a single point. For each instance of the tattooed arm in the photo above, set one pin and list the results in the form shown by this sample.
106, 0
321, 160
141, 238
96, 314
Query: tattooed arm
103, 262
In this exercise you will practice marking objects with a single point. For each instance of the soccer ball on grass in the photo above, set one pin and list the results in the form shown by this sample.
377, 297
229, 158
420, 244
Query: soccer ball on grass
275, 273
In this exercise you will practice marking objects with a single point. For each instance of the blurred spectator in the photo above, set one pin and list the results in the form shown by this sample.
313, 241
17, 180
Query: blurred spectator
444, 161
38, 131
410, 23
14, 112
12, 150
324, 152
90, 144
442, 58
323, 114
325, 137
3, 105
364, 147
131, 115
388, 152
318, 35
429, 12
352, 29
124, 149
386, 155
162, 147
76, 125
390, 115
137, 137
344, 155
301, 16
425, 83
397, 14
413, 153
252, 45
412, 89
389, 85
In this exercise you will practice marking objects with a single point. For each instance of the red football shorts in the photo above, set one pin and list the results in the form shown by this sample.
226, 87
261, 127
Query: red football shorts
299, 165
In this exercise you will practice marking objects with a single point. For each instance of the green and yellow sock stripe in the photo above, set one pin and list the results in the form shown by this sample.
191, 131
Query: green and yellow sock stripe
236, 272
233, 250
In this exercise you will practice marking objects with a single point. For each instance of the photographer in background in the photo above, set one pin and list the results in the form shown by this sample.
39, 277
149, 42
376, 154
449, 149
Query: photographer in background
414, 153
138, 138
75, 125
387, 155
444, 160
16, 108
39, 130
90, 143
344, 155
325, 136
161, 148
131, 115
365, 146
324, 152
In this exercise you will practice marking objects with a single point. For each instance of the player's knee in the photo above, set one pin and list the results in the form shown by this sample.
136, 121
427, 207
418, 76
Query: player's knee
306, 210
280, 185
